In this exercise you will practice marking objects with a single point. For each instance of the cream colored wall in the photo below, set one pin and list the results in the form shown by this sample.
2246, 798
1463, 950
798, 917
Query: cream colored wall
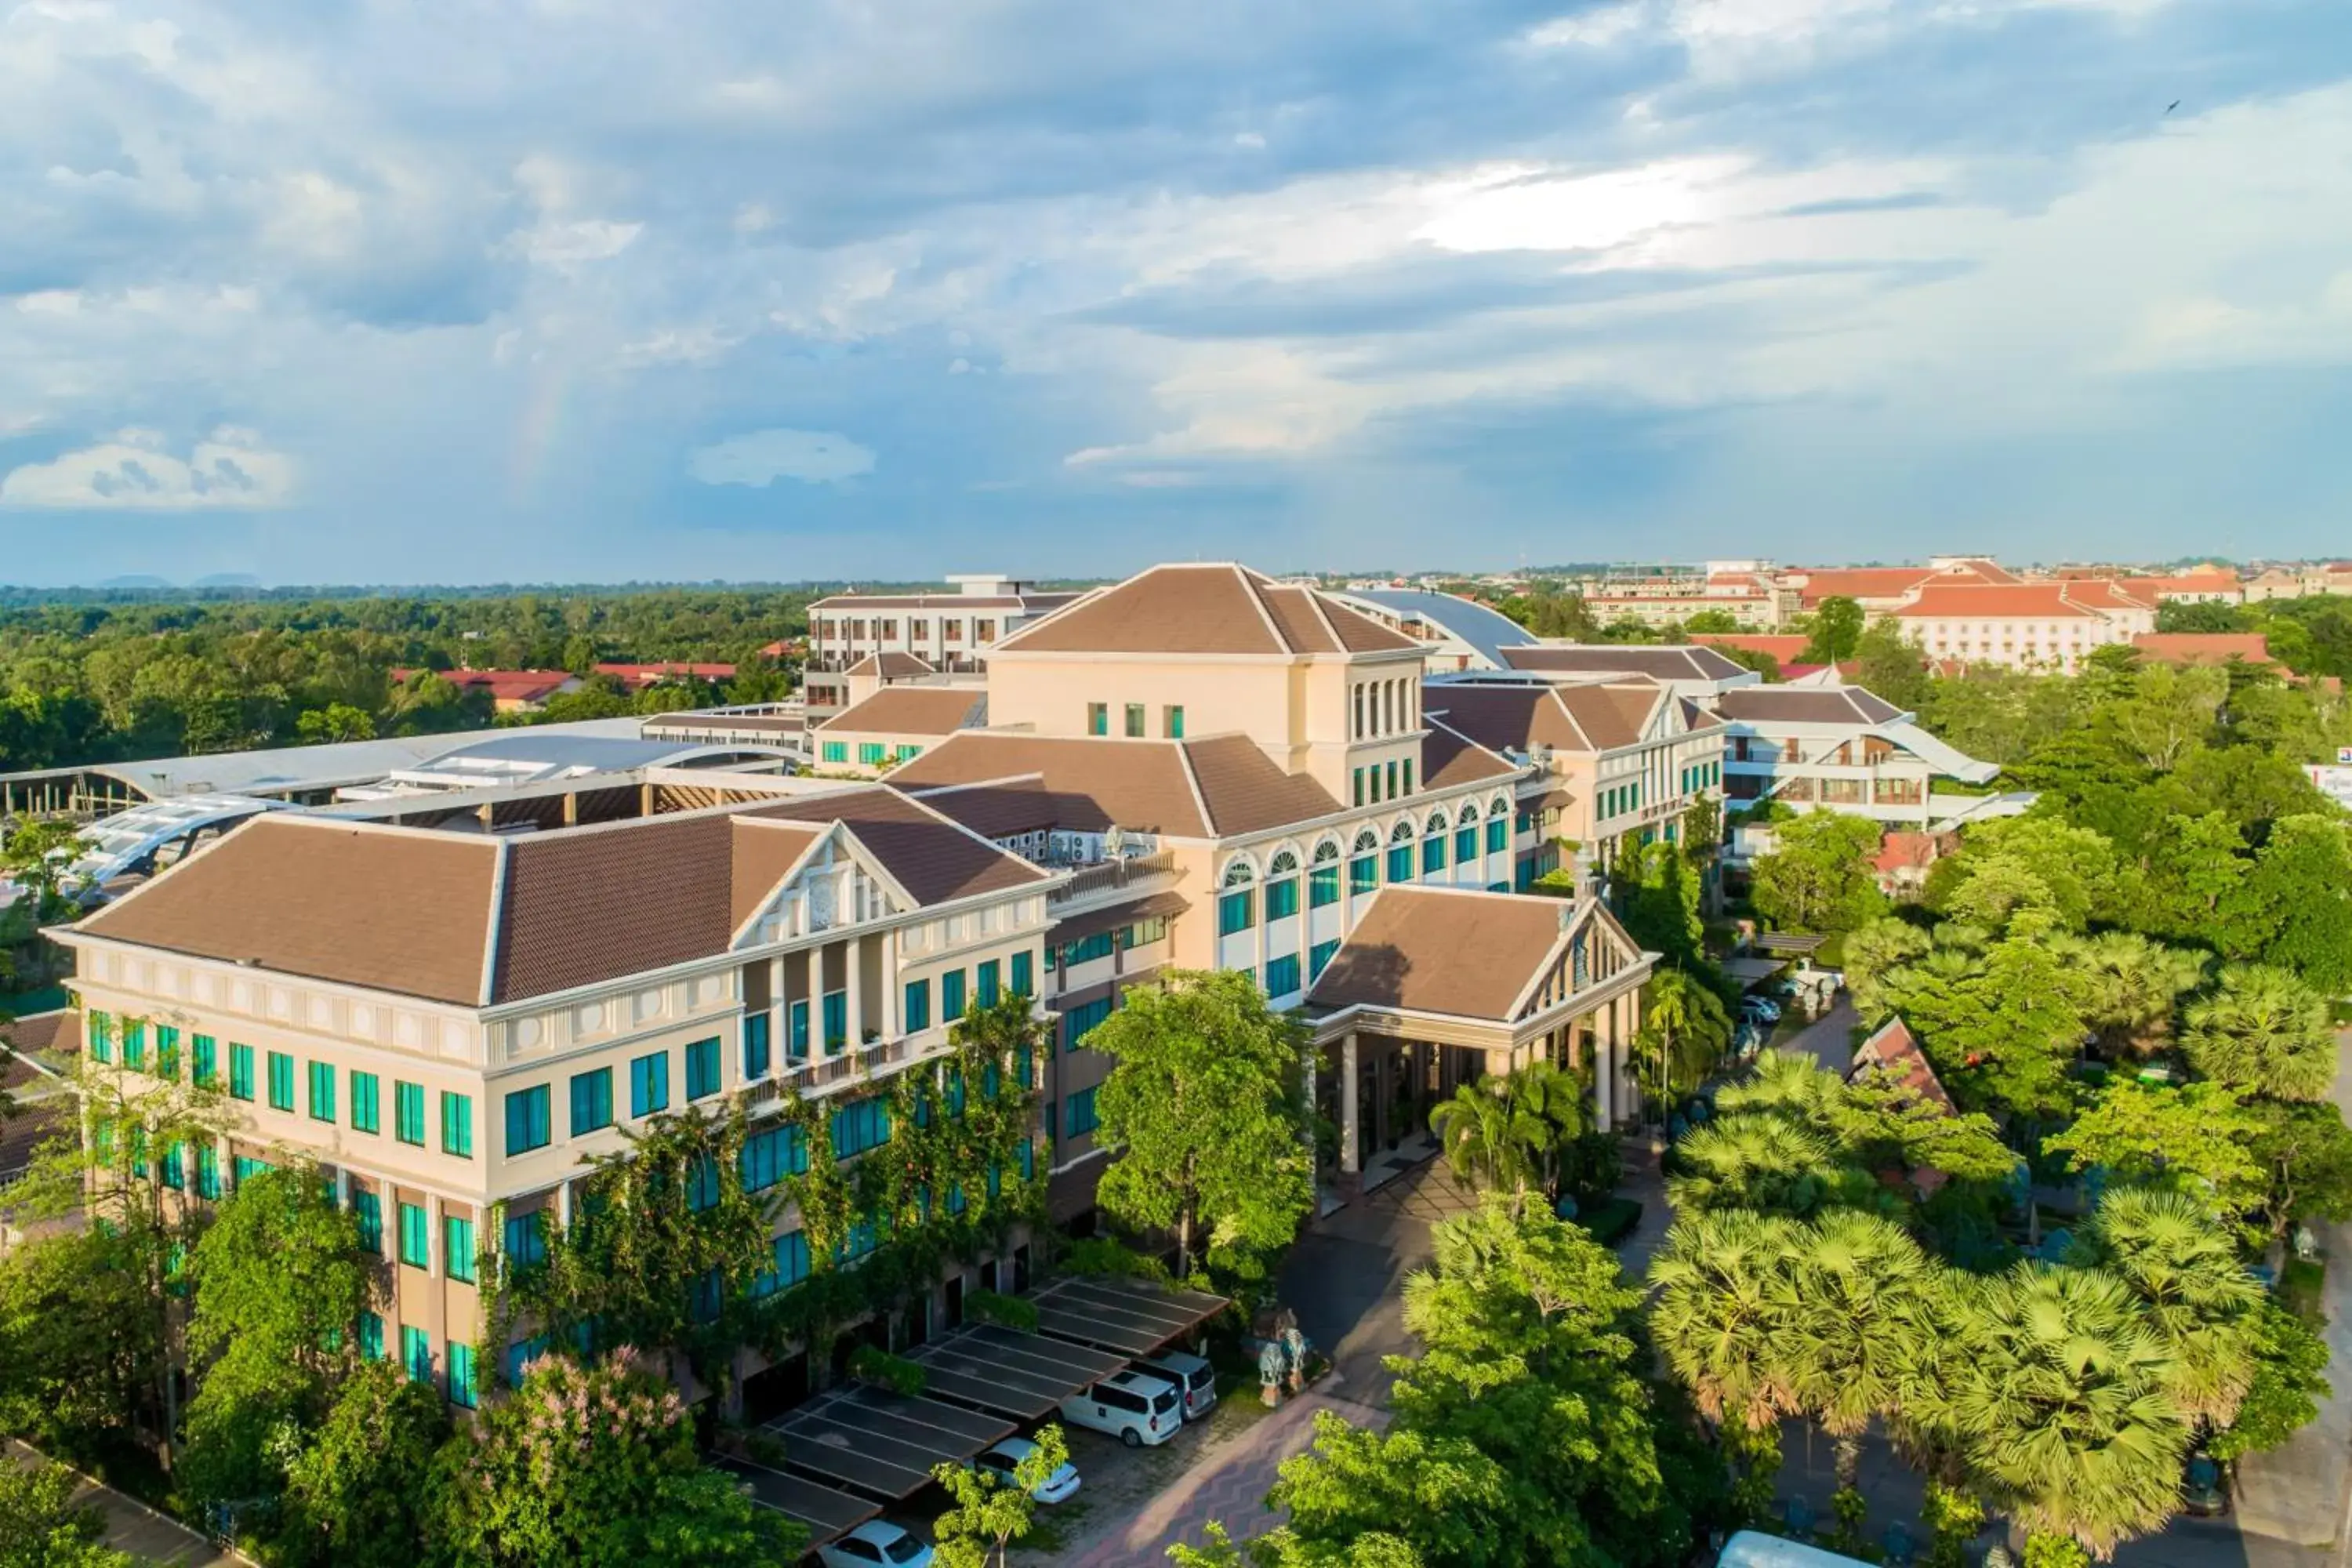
1048, 694
851, 740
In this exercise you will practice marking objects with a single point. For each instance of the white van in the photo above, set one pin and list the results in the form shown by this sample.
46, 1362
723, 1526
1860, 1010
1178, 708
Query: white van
1133, 1406
1191, 1374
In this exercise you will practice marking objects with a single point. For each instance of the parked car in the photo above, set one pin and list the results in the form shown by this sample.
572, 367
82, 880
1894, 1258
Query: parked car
1762, 1008
1192, 1374
1136, 1407
1005, 1457
878, 1540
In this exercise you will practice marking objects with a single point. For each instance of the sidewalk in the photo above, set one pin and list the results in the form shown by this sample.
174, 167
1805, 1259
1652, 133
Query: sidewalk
131, 1526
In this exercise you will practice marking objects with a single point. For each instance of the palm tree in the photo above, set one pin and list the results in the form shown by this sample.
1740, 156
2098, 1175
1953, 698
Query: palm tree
1871, 952
1560, 1099
2262, 1031
1760, 1163
1489, 1138
1859, 1314
2134, 985
1685, 1029
2197, 1296
1793, 1084
1721, 1312
2059, 1396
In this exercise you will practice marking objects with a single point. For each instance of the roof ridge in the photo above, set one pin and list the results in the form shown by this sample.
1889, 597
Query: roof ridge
1192, 783
1255, 588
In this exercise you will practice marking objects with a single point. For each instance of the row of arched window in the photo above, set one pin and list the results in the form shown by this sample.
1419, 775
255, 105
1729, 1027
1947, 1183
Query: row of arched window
1244, 868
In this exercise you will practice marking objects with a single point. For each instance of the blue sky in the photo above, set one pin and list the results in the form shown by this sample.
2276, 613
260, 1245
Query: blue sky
352, 290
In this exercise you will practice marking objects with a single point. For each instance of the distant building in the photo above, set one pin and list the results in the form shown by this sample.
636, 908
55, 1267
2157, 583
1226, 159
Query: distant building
2206, 585
2024, 625
949, 633
1459, 634
510, 691
2203, 648
637, 677
1838, 749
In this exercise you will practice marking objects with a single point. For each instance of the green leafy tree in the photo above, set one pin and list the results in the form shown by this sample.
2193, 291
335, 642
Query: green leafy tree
596, 1466
1438, 1496
336, 721
1874, 950
357, 1494
81, 1343
1764, 1165
41, 1525
1836, 632
2293, 910
2197, 1139
1204, 1107
2262, 1031
1818, 876
2132, 987
38, 857
1282, 1548
1685, 1030
2306, 1154
2290, 1379
2002, 1032
989, 1515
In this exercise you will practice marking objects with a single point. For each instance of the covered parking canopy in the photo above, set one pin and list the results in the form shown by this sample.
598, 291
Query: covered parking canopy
880, 1443
826, 1514
1123, 1315
1023, 1377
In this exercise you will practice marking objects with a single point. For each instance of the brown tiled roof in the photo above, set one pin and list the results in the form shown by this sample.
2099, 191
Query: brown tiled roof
58, 1030
1246, 792
587, 905
913, 711
1786, 649
1861, 582
1614, 714
1449, 757
1094, 783
1217, 609
1806, 705
762, 853
1507, 718
1002, 808
404, 909
1893, 1050
891, 664
933, 858
1151, 906
2032, 601
1441, 950
1658, 661
2203, 648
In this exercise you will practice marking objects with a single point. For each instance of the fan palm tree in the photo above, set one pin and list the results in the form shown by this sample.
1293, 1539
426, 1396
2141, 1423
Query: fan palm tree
1791, 1084
2059, 1396
2265, 1032
1874, 950
1750, 1162
2134, 986
2198, 1298
1861, 1304
1721, 1312
1490, 1138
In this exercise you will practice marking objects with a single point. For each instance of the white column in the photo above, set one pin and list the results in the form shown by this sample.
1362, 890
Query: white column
855, 1006
1348, 1131
894, 999
777, 1015
1604, 1066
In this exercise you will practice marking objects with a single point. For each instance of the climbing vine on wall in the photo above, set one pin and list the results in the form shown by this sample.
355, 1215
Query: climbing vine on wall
668, 1248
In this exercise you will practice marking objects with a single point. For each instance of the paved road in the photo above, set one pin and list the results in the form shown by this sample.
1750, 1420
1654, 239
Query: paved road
131, 1526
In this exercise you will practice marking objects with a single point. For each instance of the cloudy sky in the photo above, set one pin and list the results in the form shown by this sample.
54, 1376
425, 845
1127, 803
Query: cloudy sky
430, 290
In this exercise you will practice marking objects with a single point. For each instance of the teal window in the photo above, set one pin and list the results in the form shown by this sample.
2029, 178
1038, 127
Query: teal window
701, 1068
835, 1004
872, 754
1363, 873
246, 1167
918, 1007
368, 1209
1171, 720
1098, 718
281, 1080
1028, 1162
1499, 835
207, 1171
837, 751
789, 1268
1235, 912
457, 1124
1393, 782
101, 1038
865, 1237
174, 1174
1360, 786
167, 1051
951, 995
204, 1059
772, 1154
906, 753
1433, 853
1080, 1021
1465, 844
990, 982
1323, 886
461, 1375
415, 1241
134, 1046
416, 1353
322, 1091
366, 1109
408, 1112
1082, 1117
796, 1035
591, 1101
755, 1046
649, 1084
860, 1125
1281, 900
530, 1124
1282, 974
1087, 949
1408, 775
526, 1240
371, 1336
1318, 957
702, 1185
1025, 973
1401, 863
1053, 1122
457, 1247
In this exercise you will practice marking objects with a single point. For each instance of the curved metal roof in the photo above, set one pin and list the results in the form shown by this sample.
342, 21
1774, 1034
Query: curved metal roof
1488, 631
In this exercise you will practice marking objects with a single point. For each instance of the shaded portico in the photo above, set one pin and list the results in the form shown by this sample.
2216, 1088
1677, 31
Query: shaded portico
1438, 987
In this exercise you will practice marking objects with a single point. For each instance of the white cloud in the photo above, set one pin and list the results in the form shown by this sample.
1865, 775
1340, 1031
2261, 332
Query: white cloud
759, 458
231, 470
591, 239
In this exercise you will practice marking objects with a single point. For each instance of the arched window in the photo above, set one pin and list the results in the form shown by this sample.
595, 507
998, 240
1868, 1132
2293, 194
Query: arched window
1401, 833
1499, 807
1327, 850
1367, 841
1436, 823
1285, 862
1469, 812
1240, 873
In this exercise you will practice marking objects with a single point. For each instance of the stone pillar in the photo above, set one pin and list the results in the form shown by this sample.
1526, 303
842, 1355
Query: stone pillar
1604, 1065
854, 1004
778, 1015
1351, 1163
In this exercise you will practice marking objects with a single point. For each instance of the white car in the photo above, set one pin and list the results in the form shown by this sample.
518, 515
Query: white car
1133, 1406
1190, 1373
878, 1540
1001, 1460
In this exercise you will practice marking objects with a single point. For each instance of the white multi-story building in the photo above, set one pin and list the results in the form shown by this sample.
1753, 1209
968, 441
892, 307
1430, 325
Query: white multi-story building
2024, 625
